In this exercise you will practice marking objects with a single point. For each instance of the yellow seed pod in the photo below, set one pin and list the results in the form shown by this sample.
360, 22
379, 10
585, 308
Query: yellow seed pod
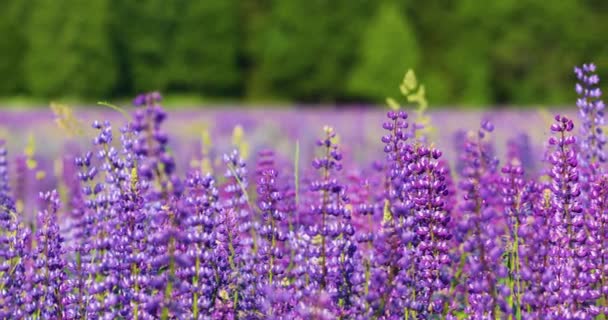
31, 163
237, 135
238, 140
387, 215
224, 295
205, 140
40, 174
134, 178
30, 148
206, 166
4, 133
58, 167
547, 197
19, 205
317, 240
194, 163
349, 207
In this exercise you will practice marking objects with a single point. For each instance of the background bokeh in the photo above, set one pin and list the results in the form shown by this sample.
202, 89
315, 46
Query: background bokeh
278, 52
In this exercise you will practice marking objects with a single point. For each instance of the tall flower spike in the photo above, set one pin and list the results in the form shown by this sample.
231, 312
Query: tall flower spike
13, 254
591, 112
395, 148
329, 191
516, 195
431, 281
156, 163
479, 230
271, 264
536, 273
5, 188
599, 205
572, 270
393, 266
48, 288
210, 272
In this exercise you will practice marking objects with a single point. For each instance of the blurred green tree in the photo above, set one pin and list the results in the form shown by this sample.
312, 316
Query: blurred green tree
388, 48
12, 46
144, 31
467, 52
68, 49
308, 49
204, 50
532, 58
456, 62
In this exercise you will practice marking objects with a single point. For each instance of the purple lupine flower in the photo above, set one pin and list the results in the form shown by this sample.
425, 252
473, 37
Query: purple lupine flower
14, 258
518, 197
239, 229
480, 231
331, 194
13, 253
272, 238
83, 229
5, 188
237, 198
210, 270
167, 261
535, 273
591, 112
393, 266
598, 233
335, 248
151, 143
572, 270
432, 237
48, 275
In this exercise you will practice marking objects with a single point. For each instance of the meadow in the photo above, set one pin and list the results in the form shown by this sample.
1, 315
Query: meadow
142, 213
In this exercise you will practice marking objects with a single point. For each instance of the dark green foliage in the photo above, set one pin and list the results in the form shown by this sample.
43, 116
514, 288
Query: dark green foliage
467, 52
204, 49
308, 49
12, 46
68, 49
145, 30
388, 47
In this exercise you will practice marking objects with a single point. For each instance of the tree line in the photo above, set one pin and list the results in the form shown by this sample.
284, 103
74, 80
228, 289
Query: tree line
467, 52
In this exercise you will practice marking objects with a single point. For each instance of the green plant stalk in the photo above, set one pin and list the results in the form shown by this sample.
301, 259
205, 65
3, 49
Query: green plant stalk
117, 108
169, 288
273, 244
197, 266
296, 169
135, 272
323, 213
252, 230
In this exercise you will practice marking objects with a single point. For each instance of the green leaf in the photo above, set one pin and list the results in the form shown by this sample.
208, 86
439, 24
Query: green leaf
394, 105
117, 108
409, 82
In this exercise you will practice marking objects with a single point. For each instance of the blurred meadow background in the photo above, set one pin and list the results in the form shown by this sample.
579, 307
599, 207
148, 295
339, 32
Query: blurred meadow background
280, 70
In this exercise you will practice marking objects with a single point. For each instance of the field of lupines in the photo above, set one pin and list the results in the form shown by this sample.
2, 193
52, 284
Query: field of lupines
134, 227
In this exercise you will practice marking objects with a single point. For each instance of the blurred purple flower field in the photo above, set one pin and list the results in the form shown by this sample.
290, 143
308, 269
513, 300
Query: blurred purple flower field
276, 129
